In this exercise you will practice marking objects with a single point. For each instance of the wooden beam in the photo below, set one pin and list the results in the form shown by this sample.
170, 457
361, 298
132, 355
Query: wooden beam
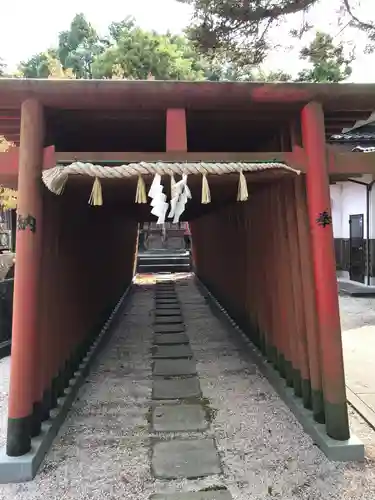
10, 128
348, 163
297, 161
339, 162
9, 161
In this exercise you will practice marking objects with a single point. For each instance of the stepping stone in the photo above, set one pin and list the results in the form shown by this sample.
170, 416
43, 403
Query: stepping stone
168, 306
166, 312
179, 388
188, 459
170, 320
194, 495
171, 339
172, 351
174, 418
174, 367
174, 328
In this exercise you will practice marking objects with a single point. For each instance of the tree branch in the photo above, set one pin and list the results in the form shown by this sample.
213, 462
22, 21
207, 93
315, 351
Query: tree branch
360, 23
248, 12
291, 7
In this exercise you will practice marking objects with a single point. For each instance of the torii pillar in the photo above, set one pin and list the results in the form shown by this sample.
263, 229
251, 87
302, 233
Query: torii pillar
25, 384
328, 317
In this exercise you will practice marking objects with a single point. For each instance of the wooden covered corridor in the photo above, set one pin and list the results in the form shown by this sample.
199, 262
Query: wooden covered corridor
259, 212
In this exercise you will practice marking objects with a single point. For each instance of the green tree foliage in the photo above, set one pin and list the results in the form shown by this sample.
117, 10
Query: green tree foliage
127, 52
328, 62
238, 30
37, 66
134, 53
217, 71
79, 46
76, 50
2, 67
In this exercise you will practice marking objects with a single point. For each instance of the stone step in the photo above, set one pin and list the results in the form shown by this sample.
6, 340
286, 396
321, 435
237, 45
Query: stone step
178, 388
163, 300
179, 418
178, 351
171, 339
188, 459
174, 328
174, 367
194, 495
168, 320
175, 306
166, 312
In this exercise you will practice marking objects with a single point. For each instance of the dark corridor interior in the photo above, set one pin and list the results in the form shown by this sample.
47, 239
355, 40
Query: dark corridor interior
241, 250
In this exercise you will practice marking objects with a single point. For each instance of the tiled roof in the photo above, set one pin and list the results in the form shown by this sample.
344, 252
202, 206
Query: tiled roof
360, 149
347, 137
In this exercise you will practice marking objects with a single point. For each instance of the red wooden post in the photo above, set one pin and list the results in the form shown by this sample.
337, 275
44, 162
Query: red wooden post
277, 328
247, 271
296, 275
24, 378
257, 290
244, 257
319, 208
292, 372
284, 356
254, 271
309, 303
263, 281
269, 281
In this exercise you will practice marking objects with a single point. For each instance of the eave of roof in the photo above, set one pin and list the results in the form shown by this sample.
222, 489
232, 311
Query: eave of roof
344, 104
127, 94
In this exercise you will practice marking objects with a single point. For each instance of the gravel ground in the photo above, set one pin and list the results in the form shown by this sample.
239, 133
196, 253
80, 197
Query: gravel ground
356, 312
103, 449
4, 383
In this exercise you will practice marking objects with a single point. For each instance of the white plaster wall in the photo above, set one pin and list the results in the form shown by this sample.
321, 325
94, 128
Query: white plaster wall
353, 202
336, 209
348, 198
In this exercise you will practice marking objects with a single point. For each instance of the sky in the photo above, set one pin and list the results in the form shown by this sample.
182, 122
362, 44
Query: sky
29, 27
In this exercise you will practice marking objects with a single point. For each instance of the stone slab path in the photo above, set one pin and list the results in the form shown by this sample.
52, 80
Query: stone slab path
178, 351
176, 388
171, 339
180, 458
179, 417
200, 495
175, 376
104, 449
174, 368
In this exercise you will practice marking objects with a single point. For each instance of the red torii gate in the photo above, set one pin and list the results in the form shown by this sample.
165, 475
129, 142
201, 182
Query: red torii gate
313, 366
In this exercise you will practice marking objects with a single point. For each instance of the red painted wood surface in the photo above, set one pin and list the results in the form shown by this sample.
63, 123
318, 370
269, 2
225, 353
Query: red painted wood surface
328, 318
176, 136
24, 378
